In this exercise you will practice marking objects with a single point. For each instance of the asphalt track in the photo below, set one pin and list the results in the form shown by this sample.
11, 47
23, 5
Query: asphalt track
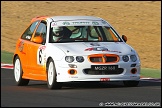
36, 94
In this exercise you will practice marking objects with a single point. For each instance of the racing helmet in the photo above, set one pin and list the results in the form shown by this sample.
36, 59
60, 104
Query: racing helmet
58, 31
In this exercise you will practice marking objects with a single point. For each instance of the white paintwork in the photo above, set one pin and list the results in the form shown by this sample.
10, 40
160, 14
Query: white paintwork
58, 51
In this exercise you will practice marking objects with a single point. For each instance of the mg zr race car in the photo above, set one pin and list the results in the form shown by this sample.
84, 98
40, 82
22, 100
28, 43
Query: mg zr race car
61, 49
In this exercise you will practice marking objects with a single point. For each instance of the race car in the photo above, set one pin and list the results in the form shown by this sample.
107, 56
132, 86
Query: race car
60, 49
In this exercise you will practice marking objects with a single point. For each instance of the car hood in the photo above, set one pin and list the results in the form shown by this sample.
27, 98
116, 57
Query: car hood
86, 48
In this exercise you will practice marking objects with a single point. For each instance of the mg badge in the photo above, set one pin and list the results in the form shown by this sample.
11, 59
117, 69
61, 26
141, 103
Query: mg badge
105, 58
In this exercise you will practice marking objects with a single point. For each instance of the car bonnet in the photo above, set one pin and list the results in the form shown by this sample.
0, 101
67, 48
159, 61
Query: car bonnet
87, 48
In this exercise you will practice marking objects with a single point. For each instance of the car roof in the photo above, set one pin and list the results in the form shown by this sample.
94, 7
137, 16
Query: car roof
65, 18
88, 20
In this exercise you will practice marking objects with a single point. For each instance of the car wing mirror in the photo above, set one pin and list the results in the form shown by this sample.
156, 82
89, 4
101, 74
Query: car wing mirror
38, 39
124, 38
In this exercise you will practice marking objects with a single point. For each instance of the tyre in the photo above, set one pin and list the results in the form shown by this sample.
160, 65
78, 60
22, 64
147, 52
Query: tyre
18, 73
52, 76
131, 83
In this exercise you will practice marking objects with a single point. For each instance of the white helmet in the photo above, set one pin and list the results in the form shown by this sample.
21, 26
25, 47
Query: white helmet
58, 31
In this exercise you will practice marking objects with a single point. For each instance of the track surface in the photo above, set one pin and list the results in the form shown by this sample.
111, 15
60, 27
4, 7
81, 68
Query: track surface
36, 94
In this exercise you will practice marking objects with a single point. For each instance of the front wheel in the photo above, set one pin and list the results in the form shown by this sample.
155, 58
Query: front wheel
52, 76
131, 83
18, 73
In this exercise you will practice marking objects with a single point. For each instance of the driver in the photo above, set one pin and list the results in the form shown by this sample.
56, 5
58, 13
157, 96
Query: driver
58, 33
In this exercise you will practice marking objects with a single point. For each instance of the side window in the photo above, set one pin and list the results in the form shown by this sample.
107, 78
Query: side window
109, 34
29, 31
41, 31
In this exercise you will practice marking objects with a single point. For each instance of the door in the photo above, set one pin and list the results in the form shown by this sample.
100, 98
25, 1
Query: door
23, 45
36, 51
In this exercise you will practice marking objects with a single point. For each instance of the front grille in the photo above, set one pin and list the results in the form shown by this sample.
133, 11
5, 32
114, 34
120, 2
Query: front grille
103, 58
96, 59
94, 72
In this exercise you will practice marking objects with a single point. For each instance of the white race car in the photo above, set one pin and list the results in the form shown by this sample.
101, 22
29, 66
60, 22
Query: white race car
61, 49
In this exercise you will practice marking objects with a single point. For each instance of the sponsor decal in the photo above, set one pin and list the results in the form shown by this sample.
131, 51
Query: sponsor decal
95, 23
66, 23
80, 23
114, 51
96, 49
94, 44
53, 24
21, 46
100, 49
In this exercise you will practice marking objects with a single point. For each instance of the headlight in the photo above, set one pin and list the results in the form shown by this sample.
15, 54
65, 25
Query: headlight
133, 58
125, 58
69, 59
79, 59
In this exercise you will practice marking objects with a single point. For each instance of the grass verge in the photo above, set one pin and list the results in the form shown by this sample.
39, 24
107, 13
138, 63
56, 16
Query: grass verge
153, 73
6, 57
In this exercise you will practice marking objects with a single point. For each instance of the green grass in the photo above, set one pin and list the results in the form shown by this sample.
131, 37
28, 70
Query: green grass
6, 57
153, 73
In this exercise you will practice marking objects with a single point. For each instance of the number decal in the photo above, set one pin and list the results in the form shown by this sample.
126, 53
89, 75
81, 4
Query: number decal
41, 55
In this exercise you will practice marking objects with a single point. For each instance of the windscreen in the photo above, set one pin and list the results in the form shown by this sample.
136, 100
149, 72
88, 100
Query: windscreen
83, 32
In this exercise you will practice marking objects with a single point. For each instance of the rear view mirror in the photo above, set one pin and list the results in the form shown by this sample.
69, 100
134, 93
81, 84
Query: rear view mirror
124, 38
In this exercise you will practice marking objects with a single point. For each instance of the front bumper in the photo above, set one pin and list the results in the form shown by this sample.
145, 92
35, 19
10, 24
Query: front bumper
126, 74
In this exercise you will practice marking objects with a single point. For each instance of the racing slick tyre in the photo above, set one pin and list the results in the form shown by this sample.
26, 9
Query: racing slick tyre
18, 73
131, 83
52, 76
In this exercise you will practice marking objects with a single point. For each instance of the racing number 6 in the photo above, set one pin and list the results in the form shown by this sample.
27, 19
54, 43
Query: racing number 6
40, 56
